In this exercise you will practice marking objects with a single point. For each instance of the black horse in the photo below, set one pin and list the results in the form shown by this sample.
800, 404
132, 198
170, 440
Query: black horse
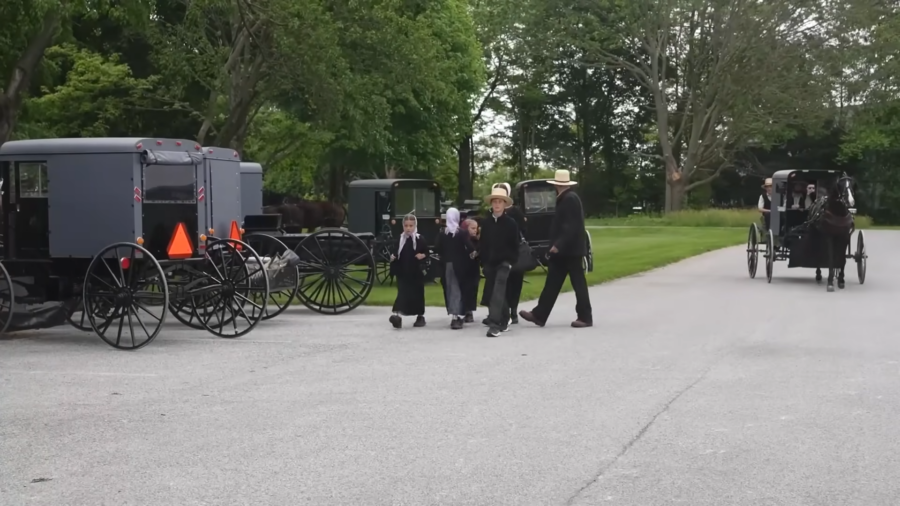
832, 222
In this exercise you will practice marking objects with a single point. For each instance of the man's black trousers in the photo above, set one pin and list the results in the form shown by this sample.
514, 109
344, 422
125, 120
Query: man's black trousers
558, 268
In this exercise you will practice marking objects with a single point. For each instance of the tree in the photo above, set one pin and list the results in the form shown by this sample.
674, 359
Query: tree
721, 74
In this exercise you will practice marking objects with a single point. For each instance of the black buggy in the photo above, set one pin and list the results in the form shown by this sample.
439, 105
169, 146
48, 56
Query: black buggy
537, 200
378, 206
119, 232
789, 235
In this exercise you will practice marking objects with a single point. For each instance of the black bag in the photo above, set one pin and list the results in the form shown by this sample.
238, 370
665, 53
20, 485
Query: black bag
526, 261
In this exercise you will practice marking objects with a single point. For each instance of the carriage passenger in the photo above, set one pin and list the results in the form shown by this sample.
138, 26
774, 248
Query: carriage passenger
765, 203
811, 196
406, 267
797, 198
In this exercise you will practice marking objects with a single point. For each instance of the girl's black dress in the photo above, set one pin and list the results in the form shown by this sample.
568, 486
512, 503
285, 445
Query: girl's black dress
471, 277
409, 273
455, 249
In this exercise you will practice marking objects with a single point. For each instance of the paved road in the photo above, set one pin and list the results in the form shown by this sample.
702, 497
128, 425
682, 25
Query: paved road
697, 386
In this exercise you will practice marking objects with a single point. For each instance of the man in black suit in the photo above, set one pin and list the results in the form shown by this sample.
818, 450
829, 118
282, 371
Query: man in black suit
567, 249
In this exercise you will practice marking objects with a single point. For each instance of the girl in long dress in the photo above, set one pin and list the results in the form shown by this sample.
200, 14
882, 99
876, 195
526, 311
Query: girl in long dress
451, 248
407, 269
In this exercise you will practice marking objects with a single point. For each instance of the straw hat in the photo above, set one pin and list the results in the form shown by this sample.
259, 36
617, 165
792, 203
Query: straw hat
562, 178
498, 192
768, 182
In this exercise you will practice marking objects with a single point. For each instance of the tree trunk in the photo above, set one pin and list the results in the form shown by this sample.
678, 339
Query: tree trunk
464, 170
20, 79
675, 195
336, 184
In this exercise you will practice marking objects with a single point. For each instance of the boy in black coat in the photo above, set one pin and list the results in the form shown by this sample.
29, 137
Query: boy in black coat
498, 250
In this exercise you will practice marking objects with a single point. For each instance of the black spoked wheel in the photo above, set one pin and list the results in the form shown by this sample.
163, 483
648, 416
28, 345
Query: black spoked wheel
861, 256
117, 295
382, 253
181, 278
7, 299
752, 250
280, 265
337, 271
231, 298
770, 256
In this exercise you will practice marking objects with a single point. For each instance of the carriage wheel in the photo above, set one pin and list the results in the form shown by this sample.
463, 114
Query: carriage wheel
382, 253
861, 256
753, 250
116, 292
284, 282
182, 278
7, 299
337, 271
232, 296
770, 256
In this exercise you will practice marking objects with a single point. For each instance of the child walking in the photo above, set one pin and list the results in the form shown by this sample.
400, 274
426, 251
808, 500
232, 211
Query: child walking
471, 278
406, 267
451, 246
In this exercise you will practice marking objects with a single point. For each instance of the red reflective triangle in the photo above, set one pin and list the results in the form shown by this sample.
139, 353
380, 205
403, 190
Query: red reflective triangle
180, 245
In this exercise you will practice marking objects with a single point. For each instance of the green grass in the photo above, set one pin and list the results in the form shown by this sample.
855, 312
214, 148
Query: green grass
738, 218
618, 252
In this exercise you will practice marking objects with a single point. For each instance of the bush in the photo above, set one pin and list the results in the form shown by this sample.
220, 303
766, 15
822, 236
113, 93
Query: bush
701, 218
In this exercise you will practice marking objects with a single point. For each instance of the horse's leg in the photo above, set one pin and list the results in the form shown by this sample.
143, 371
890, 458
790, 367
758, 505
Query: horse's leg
818, 275
830, 285
842, 256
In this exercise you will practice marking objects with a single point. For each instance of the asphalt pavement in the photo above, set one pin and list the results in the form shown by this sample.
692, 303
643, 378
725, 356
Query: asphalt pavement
696, 386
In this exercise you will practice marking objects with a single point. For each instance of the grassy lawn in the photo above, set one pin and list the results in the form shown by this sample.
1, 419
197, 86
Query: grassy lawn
618, 252
705, 218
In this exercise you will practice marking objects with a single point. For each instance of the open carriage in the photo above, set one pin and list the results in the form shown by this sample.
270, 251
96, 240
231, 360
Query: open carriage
537, 200
113, 234
788, 236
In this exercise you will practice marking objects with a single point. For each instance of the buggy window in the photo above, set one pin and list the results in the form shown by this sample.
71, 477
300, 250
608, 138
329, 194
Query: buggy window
32, 180
540, 199
419, 201
170, 183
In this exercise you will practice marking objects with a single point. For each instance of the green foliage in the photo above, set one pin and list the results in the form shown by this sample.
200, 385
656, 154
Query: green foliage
739, 218
92, 96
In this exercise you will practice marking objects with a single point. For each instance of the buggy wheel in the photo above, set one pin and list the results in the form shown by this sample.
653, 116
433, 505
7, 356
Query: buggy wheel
116, 291
280, 264
181, 278
382, 254
231, 296
7, 299
753, 250
337, 271
770, 256
861, 256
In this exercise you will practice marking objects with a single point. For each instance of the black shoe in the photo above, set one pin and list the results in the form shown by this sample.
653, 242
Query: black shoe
456, 324
514, 319
420, 321
486, 322
396, 321
469, 318
493, 332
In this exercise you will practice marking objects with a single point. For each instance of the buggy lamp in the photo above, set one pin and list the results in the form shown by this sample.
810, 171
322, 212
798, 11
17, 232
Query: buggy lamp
242, 231
140, 241
211, 232
393, 222
437, 220
125, 263
203, 237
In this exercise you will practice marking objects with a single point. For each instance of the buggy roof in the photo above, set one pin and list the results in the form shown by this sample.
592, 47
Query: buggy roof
520, 184
251, 168
383, 184
802, 175
82, 146
217, 153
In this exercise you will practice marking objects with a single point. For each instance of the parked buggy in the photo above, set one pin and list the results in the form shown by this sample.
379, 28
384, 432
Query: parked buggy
378, 206
537, 200
116, 231
790, 234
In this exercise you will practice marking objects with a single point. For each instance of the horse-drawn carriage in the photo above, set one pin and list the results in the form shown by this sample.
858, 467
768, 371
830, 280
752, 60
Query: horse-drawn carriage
537, 200
118, 231
809, 230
